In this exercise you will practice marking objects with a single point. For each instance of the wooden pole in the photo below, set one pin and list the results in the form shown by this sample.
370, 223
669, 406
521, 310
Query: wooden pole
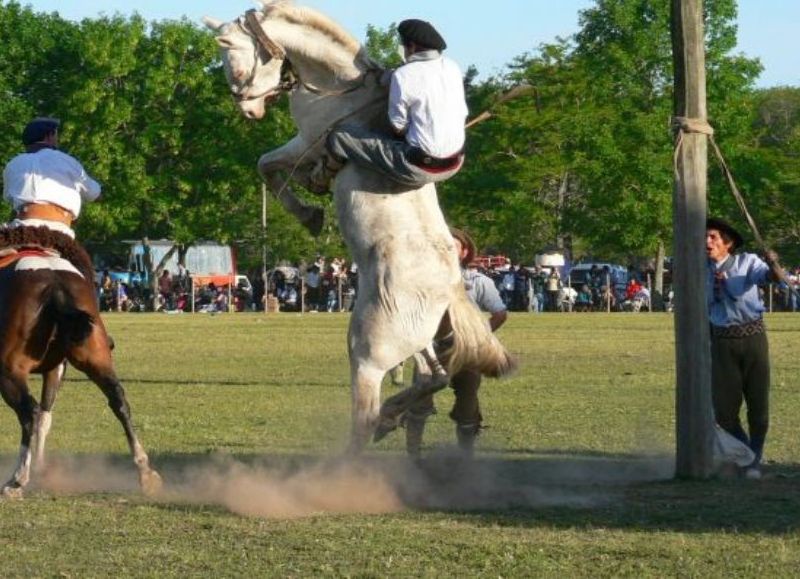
694, 412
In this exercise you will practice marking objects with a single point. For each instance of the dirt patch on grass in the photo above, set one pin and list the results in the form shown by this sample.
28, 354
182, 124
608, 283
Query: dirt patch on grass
287, 487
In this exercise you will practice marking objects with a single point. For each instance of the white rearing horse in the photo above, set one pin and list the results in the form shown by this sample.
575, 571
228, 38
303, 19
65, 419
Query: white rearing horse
410, 286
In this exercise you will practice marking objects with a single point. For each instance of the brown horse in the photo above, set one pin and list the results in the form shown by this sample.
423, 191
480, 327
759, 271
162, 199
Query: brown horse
49, 315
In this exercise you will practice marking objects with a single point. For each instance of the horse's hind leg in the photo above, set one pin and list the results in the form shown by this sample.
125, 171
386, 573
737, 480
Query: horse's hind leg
429, 377
94, 359
51, 384
366, 392
15, 392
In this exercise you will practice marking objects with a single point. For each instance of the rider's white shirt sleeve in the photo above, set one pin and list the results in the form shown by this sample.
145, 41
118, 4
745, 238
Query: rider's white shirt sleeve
398, 108
88, 188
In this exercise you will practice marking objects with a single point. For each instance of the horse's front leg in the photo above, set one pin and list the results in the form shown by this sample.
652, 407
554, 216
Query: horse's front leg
51, 383
284, 163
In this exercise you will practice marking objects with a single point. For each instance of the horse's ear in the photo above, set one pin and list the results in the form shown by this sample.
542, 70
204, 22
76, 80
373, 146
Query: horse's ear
213, 23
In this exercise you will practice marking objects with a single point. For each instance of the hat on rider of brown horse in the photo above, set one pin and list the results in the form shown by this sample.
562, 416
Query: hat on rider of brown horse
727, 230
466, 243
421, 33
38, 129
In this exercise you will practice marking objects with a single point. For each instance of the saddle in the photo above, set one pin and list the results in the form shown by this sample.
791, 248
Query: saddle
23, 241
11, 255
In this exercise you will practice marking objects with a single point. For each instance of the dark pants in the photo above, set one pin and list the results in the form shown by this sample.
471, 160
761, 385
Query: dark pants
740, 373
466, 409
466, 413
383, 153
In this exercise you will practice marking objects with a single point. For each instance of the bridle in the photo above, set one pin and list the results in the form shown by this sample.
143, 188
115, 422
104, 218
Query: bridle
289, 80
252, 28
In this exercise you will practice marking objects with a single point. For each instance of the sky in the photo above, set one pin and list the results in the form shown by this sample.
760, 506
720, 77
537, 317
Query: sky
488, 34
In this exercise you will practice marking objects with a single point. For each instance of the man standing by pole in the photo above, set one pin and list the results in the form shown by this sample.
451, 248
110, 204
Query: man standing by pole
739, 349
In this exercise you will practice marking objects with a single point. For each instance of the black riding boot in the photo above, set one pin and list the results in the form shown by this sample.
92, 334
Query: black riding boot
466, 435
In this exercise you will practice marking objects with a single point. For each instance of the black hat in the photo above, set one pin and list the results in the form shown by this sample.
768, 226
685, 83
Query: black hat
38, 129
421, 33
726, 228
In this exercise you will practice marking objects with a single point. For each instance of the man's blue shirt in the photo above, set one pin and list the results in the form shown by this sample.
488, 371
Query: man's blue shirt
735, 299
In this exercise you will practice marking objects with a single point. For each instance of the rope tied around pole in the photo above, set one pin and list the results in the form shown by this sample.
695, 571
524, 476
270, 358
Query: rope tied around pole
687, 125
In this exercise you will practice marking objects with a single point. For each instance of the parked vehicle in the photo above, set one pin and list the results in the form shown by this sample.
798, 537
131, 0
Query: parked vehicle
581, 273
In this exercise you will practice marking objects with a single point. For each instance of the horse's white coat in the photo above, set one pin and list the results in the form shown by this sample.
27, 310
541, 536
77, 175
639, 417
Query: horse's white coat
409, 275
43, 424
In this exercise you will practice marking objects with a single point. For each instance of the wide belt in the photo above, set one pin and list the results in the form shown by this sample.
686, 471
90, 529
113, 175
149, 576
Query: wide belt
739, 331
47, 212
425, 161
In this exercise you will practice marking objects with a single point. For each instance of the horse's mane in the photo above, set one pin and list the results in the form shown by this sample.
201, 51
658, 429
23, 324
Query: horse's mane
301, 15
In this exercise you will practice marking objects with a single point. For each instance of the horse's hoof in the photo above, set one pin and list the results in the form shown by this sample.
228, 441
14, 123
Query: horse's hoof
385, 426
11, 492
151, 483
315, 221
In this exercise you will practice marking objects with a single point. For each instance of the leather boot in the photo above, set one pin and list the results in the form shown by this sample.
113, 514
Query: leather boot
415, 428
466, 435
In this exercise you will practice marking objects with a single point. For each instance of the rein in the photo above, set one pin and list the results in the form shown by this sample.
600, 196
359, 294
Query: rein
253, 27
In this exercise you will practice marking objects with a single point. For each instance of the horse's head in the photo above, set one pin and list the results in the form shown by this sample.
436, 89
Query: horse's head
253, 63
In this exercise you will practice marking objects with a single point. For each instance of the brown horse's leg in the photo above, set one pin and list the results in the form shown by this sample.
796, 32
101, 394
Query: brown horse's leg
15, 392
94, 359
51, 384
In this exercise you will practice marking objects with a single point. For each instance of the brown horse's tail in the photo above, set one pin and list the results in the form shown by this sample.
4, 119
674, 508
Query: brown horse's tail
474, 346
73, 325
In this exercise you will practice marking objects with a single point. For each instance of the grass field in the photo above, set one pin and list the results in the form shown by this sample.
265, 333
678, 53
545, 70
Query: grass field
245, 417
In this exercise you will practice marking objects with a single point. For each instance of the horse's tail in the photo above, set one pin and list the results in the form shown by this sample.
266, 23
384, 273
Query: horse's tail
474, 346
72, 323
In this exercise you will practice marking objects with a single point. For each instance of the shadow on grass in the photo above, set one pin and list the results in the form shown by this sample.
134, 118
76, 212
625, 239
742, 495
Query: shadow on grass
553, 490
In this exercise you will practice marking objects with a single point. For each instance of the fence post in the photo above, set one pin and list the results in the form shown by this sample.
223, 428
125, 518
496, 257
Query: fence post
610, 291
770, 297
339, 292
302, 295
191, 282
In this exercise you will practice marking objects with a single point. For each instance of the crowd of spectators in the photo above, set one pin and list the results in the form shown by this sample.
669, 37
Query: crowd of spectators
332, 286
321, 286
120, 293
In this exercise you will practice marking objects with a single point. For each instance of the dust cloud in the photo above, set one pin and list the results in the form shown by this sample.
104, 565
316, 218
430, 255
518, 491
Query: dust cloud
286, 487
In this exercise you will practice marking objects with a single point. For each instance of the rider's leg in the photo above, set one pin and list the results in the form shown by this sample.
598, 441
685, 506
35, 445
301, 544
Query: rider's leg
466, 410
383, 153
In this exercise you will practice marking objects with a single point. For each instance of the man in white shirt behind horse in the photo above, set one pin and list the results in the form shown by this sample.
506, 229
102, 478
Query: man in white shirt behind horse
427, 111
44, 185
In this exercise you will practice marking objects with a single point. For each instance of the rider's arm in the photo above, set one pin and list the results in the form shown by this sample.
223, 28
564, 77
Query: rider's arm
398, 107
88, 188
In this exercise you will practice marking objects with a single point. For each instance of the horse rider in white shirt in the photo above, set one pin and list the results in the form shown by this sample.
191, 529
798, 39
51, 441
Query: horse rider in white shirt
46, 186
427, 111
